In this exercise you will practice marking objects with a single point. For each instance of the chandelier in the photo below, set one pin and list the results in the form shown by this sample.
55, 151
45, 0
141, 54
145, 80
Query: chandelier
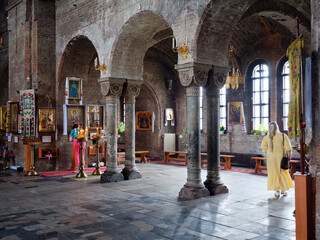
234, 77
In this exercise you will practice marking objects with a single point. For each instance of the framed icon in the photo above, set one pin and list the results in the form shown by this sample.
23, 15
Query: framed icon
74, 88
14, 111
75, 115
47, 120
95, 115
3, 114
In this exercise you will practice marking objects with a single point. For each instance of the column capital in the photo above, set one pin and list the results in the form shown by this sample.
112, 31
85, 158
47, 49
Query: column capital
132, 90
111, 86
217, 77
193, 72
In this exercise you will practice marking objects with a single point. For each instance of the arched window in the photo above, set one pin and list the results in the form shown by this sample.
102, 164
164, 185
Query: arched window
223, 107
201, 108
260, 81
284, 94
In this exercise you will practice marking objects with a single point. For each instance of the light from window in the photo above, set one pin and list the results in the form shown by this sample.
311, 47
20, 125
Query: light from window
285, 95
223, 107
260, 96
201, 107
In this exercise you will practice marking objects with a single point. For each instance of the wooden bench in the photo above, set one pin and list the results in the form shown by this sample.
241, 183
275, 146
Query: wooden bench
225, 160
122, 155
183, 158
259, 166
293, 167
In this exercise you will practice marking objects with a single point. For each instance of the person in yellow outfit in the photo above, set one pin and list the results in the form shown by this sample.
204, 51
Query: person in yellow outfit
276, 144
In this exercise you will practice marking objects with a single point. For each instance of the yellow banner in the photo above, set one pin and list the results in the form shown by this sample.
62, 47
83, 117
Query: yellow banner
294, 53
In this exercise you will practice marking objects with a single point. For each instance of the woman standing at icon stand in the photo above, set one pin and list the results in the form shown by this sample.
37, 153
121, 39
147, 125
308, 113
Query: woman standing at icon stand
76, 147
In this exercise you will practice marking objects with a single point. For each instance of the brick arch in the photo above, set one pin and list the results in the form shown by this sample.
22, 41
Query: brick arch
137, 35
79, 45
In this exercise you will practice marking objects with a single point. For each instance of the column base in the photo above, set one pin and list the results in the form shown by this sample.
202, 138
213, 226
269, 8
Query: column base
131, 175
107, 177
215, 188
191, 192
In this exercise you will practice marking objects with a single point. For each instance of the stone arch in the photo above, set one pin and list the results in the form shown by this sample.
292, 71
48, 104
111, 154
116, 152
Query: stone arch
138, 34
77, 61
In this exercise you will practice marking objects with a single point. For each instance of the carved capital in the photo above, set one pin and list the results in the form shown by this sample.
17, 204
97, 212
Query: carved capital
193, 72
217, 77
105, 86
132, 90
111, 86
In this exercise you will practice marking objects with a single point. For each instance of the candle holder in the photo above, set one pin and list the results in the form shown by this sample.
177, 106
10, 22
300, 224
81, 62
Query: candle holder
81, 138
97, 171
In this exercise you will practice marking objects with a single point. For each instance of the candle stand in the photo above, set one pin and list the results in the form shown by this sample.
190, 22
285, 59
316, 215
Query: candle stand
97, 171
81, 138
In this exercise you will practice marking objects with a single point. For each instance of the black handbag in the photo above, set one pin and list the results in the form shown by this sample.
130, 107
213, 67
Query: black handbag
285, 165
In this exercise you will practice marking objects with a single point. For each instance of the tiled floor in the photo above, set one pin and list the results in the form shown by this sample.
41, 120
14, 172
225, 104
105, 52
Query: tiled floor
68, 208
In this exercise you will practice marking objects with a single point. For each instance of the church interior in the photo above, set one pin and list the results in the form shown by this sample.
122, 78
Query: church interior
116, 114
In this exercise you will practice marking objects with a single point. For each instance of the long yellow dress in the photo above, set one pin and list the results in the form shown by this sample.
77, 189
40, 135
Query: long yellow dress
278, 179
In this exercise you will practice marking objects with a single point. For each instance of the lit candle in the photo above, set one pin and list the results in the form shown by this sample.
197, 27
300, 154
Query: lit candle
173, 42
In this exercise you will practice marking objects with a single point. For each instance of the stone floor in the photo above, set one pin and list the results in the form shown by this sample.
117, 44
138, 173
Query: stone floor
68, 208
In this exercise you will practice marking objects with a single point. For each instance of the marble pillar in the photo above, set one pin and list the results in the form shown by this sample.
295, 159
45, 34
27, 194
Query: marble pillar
213, 182
193, 188
113, 89
130, 171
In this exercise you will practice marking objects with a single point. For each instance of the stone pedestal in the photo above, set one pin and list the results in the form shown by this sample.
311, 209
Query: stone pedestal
131, 174
193, 192
108, 176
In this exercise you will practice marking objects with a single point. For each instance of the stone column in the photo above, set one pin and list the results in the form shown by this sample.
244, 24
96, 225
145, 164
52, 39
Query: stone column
130, 170
216, 81
112, 88
192, 76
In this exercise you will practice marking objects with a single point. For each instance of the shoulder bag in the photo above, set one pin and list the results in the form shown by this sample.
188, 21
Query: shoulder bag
285, 160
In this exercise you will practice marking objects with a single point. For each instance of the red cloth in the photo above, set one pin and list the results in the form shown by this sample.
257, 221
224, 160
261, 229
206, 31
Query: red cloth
76, 149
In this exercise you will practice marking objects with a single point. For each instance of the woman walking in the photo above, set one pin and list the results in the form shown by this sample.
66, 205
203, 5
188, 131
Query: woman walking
277, 145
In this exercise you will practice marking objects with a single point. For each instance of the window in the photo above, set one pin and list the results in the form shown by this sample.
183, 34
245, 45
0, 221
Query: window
260, 95
284, 91
223, 107
201, 108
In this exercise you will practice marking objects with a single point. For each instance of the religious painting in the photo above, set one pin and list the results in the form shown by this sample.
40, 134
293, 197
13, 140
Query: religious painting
47, 122
235, 112
75, 115
3, 114
168, 116
74, 88
95, 116
144, 120
14, 111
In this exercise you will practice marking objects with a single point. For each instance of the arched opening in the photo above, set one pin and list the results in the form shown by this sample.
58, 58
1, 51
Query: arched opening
77, 63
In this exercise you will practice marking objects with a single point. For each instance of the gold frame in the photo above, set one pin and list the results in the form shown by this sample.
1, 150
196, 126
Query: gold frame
12, 117
144, 120
70, 109
101, 116
235, 112
78, 91
3, 113
51, 117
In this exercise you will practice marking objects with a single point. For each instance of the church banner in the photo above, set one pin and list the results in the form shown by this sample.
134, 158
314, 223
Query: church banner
294, 53
27, 111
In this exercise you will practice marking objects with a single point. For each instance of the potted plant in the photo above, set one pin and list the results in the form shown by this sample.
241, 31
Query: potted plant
9, 157
222, 129
184, 143
121, 131
262, 129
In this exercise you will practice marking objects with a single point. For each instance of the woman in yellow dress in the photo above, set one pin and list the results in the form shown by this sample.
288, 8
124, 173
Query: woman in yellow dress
276, 143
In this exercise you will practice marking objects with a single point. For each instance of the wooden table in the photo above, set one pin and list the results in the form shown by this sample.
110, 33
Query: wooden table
259, 166
226, 160
167, 157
